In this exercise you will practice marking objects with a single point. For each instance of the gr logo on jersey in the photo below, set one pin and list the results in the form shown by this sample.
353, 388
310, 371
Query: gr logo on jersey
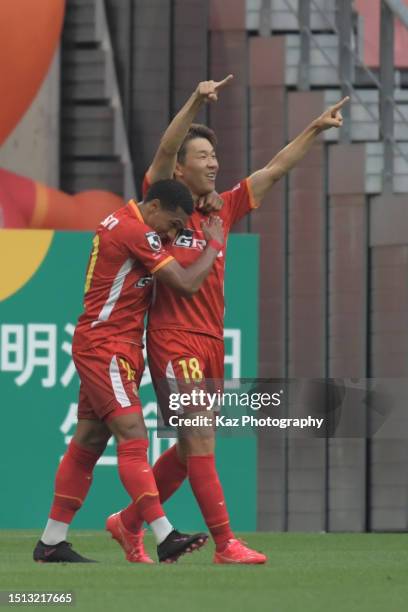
154, 240
187, 240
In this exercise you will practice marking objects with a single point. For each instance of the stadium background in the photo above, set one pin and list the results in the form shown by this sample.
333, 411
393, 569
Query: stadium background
91, 87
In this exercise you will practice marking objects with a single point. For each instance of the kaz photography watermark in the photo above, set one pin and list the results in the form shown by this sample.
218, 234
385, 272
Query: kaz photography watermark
332, 407
225, 409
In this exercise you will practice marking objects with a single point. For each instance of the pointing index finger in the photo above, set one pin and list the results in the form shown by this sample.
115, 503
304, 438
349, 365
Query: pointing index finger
340, 104
224, 82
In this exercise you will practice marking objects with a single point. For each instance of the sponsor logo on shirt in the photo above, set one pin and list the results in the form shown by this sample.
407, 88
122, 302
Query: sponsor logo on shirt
187, 240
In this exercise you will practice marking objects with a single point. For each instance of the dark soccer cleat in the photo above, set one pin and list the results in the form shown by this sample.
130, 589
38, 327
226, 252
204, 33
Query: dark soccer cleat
176, 544
58, 553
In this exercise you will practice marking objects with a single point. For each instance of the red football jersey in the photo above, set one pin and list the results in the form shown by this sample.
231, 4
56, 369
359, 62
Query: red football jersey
126, 252
204, 312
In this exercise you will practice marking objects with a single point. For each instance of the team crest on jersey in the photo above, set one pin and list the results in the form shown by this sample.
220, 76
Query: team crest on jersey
154, 240
143, 282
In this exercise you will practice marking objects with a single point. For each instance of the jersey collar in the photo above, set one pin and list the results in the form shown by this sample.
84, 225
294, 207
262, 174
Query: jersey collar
135, 210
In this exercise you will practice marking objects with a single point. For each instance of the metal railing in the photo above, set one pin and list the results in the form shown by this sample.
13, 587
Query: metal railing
399, 9
347, 59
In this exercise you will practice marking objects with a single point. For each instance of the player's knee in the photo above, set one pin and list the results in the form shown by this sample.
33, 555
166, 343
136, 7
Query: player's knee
98, 446
134, 432
182, 452
96, 442
198, 445
130, 427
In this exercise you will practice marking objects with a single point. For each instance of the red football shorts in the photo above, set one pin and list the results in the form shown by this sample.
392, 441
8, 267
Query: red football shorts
110, 375
181, 361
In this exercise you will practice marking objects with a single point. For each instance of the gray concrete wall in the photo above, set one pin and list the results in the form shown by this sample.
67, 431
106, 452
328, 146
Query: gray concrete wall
32, 149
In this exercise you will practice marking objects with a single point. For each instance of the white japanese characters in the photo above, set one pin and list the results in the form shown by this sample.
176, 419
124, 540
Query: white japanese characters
41, 354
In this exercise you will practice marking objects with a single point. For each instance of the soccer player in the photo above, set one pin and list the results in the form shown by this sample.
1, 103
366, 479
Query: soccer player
107, 350
185, 337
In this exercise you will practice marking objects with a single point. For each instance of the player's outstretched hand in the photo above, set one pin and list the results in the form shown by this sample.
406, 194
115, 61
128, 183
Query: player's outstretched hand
212, 202
213, 229
332, 117
208, 90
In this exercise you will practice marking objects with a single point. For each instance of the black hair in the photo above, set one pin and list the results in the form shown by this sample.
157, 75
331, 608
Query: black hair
172, 195
197, 130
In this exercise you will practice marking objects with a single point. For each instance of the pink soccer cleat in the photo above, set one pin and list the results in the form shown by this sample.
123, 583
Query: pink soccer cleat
236, 552
132, 543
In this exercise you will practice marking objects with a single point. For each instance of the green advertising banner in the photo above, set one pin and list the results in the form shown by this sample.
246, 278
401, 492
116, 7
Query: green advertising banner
41, 289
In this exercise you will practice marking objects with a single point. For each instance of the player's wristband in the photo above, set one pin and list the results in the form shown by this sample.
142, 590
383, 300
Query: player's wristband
216, 245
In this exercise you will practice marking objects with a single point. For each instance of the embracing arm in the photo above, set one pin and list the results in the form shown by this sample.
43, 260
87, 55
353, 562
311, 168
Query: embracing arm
188, 281
262, 180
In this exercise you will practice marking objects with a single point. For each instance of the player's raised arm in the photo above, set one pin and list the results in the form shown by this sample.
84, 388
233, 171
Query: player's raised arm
188, 281
262, 180
165, 158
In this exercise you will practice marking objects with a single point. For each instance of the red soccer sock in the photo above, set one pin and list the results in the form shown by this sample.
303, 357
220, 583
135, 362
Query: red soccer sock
169, 473
72, 481
137, 478
207, 489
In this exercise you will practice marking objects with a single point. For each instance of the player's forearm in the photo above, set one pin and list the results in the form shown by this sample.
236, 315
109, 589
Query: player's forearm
285, 160
200, 269
290, 155
187, 281
173, 137
164, 161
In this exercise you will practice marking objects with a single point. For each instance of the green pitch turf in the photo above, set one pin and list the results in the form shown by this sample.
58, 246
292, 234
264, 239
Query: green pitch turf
305, 573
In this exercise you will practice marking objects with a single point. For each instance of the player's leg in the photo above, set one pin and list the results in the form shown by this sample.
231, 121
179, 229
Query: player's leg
175, 362
137, 478
136, 474
180, 363
74, 475
165, 351
197, 445
170, 470
123, 415
72, 482
199, 450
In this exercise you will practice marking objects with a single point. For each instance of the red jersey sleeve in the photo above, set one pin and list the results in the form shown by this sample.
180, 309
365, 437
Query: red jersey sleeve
239, 201
145, 245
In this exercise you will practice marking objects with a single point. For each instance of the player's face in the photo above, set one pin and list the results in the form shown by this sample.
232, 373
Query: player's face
168, 223
199, 168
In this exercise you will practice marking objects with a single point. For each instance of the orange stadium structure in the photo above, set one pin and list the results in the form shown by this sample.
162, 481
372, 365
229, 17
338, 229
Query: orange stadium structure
29, 41
25, 203
30, 36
